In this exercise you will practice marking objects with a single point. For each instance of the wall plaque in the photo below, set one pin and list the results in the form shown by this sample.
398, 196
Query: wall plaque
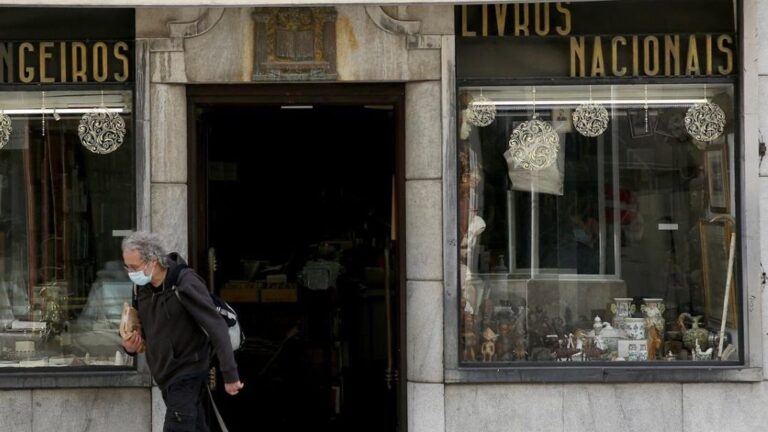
295, 44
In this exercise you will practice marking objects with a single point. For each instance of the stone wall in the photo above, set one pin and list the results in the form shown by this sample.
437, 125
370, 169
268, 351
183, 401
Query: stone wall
63, 410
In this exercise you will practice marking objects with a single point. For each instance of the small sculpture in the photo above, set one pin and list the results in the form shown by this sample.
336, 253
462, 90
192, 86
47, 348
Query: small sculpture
488, 349
504, 343
695, 333
654, 342
598, 325
699, 355
469, 337
519, 351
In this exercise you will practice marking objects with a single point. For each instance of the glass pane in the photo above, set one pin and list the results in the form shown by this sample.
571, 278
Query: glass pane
602, 244
62, 207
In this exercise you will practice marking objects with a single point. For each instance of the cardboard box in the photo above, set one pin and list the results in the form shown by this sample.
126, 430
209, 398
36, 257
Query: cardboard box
279, 295
240, 291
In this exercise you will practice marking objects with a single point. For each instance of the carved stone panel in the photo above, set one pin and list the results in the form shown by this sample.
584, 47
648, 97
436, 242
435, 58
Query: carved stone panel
294, 44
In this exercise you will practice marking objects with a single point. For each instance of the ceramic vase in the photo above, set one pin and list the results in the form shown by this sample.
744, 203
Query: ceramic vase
634, 328
653, 312
622, 308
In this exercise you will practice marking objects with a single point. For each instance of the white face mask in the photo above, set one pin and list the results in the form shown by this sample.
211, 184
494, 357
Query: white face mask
139, 278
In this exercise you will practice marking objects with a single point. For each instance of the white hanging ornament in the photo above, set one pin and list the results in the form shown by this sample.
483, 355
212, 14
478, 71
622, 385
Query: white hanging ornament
534, 144
101, 131
5, 129
705, 121
482, 112
590, 119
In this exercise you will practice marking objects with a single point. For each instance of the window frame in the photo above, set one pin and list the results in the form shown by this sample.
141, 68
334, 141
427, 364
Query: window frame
749, 369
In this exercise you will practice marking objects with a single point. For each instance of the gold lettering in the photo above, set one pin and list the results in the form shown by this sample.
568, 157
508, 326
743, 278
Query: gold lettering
501, 18
708, 67
79, 62
521, 27
484, 9
565, 29
651, 55
45, 55
100, 68
63, 61
598, 61
464, 30
672, 55
26, 74
120, 50
635, 56
692, 63
728, 54
6, 62
615, 56
578, 54
542, 19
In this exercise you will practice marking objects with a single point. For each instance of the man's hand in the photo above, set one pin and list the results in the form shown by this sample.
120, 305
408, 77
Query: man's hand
233, 388
134, 343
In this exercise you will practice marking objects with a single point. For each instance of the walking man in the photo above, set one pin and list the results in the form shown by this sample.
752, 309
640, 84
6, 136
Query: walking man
180, 333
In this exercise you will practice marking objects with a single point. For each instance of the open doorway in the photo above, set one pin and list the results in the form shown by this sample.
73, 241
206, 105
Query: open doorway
296, 193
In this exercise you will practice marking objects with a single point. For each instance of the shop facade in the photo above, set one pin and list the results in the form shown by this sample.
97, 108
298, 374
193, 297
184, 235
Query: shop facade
507, 256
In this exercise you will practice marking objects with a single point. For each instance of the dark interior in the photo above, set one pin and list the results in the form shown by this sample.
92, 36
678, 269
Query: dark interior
290, 188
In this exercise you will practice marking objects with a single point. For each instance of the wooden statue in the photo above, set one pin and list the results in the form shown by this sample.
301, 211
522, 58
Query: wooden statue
654, 342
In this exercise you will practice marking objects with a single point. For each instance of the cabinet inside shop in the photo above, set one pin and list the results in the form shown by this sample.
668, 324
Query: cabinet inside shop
62, 284
308, 270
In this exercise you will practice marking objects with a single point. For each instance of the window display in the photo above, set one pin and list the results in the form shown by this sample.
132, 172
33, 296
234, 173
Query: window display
597, 224
63, 211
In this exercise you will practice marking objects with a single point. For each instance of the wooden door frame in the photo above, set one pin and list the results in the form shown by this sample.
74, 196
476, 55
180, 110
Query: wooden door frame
245, 95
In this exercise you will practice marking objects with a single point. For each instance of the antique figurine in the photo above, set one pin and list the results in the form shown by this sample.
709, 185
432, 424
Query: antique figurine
699, 355
654, 342
488, 348
693, 334
504, 342
469, 337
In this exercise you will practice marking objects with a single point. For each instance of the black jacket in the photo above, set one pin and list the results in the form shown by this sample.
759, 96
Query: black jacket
175, 343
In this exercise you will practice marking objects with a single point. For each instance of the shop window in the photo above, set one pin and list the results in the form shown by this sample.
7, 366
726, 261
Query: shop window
603, 249
63, 209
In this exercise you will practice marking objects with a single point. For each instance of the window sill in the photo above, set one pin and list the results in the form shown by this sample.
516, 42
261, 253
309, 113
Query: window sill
83, 378
598, 374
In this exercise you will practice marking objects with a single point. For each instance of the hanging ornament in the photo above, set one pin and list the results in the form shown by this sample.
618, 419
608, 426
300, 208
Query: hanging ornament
590, 119
482, 112
101, 131
534, 145
5, 129
705, 121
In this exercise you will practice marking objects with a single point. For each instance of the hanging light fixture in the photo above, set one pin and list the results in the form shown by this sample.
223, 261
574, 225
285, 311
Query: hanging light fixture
101, 130
705, 121
590, 119
482, 112
534, 144
5, 129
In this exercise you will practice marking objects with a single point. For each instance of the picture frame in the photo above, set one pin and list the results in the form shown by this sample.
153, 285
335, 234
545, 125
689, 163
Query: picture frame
637, 127
716, 170
715, 244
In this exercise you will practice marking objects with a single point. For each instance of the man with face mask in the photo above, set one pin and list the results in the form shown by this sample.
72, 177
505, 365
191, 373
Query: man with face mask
178, 350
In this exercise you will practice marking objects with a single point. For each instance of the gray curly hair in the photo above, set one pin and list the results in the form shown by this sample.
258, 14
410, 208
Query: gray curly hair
148, 245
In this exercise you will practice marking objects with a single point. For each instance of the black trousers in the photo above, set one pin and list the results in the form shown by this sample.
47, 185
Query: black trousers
185, 404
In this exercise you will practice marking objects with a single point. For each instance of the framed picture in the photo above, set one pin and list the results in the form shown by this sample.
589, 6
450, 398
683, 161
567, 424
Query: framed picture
716, 169
637, 124
715, 247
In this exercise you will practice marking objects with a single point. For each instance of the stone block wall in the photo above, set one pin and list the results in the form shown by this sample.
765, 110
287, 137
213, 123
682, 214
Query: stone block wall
65, 410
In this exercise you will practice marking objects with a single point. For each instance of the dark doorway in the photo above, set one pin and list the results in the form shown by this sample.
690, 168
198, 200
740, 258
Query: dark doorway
296, 197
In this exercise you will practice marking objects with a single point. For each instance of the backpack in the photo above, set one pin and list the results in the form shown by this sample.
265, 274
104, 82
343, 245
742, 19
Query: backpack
236, 335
